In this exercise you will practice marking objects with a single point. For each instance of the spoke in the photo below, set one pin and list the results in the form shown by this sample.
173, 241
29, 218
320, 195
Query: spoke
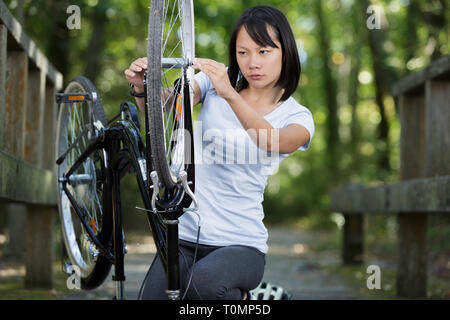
78, 118
171, 53
170, 28
172, 111
99, 207
180, 10
95, 205
176, 122
167, 115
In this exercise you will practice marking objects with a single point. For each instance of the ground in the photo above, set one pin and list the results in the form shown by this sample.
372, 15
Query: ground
303, 261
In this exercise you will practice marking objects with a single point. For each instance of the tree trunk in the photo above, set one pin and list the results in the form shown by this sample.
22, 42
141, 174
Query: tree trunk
353, 85
383, 82
434, 15
329, 86
59, 39
412, 18
95, 48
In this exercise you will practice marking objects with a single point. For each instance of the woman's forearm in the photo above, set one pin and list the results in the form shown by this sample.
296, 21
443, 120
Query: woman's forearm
140, 101
258, 128
266, 137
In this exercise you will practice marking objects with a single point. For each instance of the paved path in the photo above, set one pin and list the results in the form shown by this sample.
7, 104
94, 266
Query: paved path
289, 263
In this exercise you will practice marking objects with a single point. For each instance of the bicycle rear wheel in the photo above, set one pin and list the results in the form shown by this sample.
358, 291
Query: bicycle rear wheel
86, 185
169, 106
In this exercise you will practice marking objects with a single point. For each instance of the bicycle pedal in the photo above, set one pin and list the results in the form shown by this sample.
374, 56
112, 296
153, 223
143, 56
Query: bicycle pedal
73, 97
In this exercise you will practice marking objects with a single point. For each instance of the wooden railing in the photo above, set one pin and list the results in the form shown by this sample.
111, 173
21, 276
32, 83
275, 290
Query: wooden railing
423, 99
28, 83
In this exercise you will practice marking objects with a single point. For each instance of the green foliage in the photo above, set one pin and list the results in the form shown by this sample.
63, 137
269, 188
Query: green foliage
413, 33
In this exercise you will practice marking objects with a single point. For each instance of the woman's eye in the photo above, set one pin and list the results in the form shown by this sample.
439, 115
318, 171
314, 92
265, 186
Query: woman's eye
264, 51
241, 53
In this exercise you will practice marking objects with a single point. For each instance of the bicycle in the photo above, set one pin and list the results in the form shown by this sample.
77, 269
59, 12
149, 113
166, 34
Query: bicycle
93, 154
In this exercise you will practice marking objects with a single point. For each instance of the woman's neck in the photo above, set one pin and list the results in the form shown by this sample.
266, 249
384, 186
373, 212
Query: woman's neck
263, 96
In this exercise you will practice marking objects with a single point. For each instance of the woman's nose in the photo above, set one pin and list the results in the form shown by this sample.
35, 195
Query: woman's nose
254, 65
254, 62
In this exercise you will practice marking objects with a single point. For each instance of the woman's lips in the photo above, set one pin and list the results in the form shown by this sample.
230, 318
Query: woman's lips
256, 76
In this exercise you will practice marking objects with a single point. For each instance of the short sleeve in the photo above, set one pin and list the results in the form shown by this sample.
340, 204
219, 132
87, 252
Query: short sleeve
204, 83
304, 118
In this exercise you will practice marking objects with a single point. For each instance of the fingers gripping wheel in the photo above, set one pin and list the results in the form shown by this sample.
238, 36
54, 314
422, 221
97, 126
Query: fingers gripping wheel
169, 107
75, 129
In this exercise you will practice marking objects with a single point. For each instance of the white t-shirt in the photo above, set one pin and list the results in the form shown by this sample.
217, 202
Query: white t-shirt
231, 172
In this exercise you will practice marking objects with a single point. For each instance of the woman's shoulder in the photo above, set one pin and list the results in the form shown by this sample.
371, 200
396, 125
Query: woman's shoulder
293, 106
204, 83
299, 114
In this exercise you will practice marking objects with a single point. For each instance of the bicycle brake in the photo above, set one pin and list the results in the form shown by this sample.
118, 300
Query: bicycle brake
187, 189
155, 180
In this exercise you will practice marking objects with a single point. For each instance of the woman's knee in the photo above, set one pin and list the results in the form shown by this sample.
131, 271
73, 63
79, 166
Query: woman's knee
202, 289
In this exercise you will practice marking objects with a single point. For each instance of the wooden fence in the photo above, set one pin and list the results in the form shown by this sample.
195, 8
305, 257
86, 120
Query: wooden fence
423, 99
28, 83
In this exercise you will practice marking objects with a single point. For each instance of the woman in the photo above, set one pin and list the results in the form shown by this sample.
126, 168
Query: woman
247, 109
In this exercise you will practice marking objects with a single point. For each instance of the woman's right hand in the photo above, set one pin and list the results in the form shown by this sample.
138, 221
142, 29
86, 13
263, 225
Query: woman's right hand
135, 74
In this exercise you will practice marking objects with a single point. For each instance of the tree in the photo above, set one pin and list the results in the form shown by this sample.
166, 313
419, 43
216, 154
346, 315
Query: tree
329, 88
96, 44
434, 16
383, 82
353, 84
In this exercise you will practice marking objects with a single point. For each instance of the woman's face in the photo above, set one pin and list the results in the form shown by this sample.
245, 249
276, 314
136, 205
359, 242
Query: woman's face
261, 66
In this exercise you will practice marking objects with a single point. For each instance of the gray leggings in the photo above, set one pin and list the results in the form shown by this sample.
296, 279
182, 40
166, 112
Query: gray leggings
220, 273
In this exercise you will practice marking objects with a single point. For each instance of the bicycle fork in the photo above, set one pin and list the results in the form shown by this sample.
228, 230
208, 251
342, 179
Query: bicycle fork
118, 236
171, 221
173, 270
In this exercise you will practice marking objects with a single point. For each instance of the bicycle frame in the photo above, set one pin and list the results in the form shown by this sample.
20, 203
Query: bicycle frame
121, 143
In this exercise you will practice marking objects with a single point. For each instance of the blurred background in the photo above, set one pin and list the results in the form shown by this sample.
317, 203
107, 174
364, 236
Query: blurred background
347, 73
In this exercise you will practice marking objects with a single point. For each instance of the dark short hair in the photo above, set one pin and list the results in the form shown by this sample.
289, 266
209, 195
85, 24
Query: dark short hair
256, 21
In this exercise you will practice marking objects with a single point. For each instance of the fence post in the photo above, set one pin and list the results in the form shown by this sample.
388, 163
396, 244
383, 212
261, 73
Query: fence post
49, 134
437, 155
40, 219
353, 241
16, 86
27, 133
411, 266
3, 57
39, 252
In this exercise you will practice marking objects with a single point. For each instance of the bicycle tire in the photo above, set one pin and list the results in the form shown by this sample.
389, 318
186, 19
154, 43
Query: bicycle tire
88, 192
170, 158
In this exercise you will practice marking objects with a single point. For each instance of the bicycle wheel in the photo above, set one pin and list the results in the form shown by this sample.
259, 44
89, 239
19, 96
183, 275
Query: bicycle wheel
86, 185
170, 54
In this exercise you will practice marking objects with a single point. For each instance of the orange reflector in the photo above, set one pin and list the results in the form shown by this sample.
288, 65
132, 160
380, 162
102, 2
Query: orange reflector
179, 107
76, 98
93, 225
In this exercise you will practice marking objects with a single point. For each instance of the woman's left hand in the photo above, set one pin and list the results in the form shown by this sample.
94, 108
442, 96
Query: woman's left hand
218, 75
